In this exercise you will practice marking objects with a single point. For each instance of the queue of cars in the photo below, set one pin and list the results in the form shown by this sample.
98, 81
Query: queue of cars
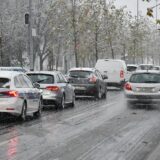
23, 94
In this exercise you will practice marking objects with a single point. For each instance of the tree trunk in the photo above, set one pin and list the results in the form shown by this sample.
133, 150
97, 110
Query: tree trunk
112, 50
41, 62
75, 31
96, 43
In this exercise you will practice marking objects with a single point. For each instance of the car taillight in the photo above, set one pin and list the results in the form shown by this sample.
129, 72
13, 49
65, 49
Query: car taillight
128, 87
93, 79
10, 93
121, 74
53, 88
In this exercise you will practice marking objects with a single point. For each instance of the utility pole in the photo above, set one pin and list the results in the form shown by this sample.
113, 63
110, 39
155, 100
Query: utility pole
137, 44
30, 38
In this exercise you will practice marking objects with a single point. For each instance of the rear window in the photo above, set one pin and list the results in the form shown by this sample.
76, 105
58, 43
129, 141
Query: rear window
131, 68
4, 83
145, 67
80, 74
41, 78
145, 78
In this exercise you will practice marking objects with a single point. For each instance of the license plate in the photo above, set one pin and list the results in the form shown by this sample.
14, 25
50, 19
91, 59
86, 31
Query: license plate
80, 88
146, 89
45, 92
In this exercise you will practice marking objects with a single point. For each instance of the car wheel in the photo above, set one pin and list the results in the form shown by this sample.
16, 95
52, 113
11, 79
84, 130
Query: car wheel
130, 105
62, 103
39, 112
73, 102
105, 94
24, 112
99, 94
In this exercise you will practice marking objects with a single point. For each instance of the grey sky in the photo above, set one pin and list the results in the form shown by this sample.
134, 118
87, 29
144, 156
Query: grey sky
132, 5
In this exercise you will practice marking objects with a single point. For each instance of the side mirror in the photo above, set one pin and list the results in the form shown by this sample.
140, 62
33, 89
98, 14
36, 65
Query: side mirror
36, 85
105, 76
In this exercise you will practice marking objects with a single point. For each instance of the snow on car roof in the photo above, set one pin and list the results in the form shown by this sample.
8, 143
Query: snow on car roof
43, 72
145, 65
8, 74
82, 69
131, 65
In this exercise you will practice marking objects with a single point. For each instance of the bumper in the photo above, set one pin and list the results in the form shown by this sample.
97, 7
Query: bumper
86, 90
50, 100
144, 99
12, 106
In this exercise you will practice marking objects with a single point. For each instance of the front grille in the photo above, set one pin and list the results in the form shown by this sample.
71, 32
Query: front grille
48, 102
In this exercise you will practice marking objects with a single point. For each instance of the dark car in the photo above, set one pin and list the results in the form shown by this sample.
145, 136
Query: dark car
55, 88
88, 82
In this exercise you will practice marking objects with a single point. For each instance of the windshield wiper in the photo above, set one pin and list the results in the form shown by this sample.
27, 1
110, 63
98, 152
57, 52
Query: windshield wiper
41, 80
150, 82
74, 76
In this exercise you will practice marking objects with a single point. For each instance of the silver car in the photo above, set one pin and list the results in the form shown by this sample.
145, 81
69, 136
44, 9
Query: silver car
143, 87
18, 96
56, 90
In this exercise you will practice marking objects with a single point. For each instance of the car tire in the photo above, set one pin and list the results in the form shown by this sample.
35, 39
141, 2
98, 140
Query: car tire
73, 102
105, 94
62, 103
98, 94
23, 115
39, 112
129, 104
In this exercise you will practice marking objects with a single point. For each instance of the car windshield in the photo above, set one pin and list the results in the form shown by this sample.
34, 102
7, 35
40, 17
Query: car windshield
4, 83
131, 68
145, 67
80, 74
41, 78
145, 78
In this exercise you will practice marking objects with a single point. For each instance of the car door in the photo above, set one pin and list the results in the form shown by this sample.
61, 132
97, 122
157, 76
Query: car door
33, 94
27, 92
69, 88
64, 85
101, 81
22, 95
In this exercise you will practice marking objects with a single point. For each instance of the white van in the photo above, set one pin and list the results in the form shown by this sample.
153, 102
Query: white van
116, 70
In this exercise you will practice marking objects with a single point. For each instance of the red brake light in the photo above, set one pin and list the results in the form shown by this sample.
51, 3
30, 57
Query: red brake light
93, 79
53, 88
128, 87
121, 74
13, 93
10, 93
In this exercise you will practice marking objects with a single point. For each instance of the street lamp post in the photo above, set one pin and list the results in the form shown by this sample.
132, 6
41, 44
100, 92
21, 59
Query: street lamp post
30, 38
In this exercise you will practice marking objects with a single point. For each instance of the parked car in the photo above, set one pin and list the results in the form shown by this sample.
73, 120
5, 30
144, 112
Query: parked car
145, 67
88, 82
18, 69
131, 68
116, 70
143, 87
18, 96
55, 88
156, 68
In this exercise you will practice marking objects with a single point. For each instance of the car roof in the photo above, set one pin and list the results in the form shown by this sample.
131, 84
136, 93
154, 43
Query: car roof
145, 65
82, 69
9, 74
131, 65
146, 71
43, 72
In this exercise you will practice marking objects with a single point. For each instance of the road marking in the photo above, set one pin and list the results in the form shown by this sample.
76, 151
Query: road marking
79, 115
3, 143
